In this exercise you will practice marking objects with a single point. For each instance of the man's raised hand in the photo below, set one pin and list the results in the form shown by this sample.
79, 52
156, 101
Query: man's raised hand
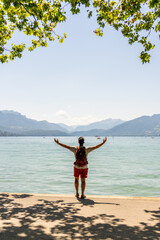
105, 139
56, 140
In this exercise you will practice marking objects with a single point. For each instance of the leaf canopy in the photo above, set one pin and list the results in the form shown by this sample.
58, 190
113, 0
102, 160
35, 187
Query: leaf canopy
136, 19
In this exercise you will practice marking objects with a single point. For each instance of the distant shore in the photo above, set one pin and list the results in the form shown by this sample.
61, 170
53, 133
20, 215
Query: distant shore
53, 216
67, 135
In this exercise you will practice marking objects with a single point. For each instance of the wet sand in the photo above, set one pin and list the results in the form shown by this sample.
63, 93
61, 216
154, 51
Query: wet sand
50, 216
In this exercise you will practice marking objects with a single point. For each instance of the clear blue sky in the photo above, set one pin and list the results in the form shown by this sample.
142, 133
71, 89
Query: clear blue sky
85, 79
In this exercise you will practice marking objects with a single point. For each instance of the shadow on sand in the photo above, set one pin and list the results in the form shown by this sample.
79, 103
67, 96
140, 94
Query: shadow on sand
65, 223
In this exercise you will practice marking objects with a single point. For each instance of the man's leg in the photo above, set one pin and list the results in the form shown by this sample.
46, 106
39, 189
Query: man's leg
83, 185
83, 181
76, 183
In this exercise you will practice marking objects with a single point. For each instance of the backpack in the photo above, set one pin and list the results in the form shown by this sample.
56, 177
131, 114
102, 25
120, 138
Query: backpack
81, 158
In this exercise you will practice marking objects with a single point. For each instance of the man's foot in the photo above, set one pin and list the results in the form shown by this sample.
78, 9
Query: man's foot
83, 196
77, 195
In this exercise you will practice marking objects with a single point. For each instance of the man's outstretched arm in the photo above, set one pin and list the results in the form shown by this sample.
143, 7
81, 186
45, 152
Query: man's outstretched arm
99, 145
61, 144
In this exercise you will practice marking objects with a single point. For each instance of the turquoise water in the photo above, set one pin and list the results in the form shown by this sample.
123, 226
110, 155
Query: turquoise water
126, 166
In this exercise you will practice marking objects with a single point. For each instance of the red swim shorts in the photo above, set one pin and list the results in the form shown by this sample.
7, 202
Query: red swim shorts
80, 172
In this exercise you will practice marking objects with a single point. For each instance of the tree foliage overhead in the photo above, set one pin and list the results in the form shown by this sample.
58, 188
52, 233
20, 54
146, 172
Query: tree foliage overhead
136, 19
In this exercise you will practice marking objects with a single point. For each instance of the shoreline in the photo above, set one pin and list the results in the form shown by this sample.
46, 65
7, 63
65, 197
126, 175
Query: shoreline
62, 216
88, 196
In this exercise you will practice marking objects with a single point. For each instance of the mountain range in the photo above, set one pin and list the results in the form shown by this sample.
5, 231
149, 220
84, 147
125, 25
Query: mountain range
141, 126
14, 123
17, 123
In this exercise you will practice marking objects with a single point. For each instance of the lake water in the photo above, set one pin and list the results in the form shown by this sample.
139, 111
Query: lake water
126, 166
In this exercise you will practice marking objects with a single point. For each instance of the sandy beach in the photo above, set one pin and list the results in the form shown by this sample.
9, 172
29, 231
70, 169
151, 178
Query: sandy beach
50, 216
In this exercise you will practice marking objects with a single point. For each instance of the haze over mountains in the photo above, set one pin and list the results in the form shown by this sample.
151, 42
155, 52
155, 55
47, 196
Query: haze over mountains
144, 125
104, 124
17, 123
14, 123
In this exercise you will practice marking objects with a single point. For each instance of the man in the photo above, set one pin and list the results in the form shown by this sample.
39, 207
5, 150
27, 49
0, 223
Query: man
81, 163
